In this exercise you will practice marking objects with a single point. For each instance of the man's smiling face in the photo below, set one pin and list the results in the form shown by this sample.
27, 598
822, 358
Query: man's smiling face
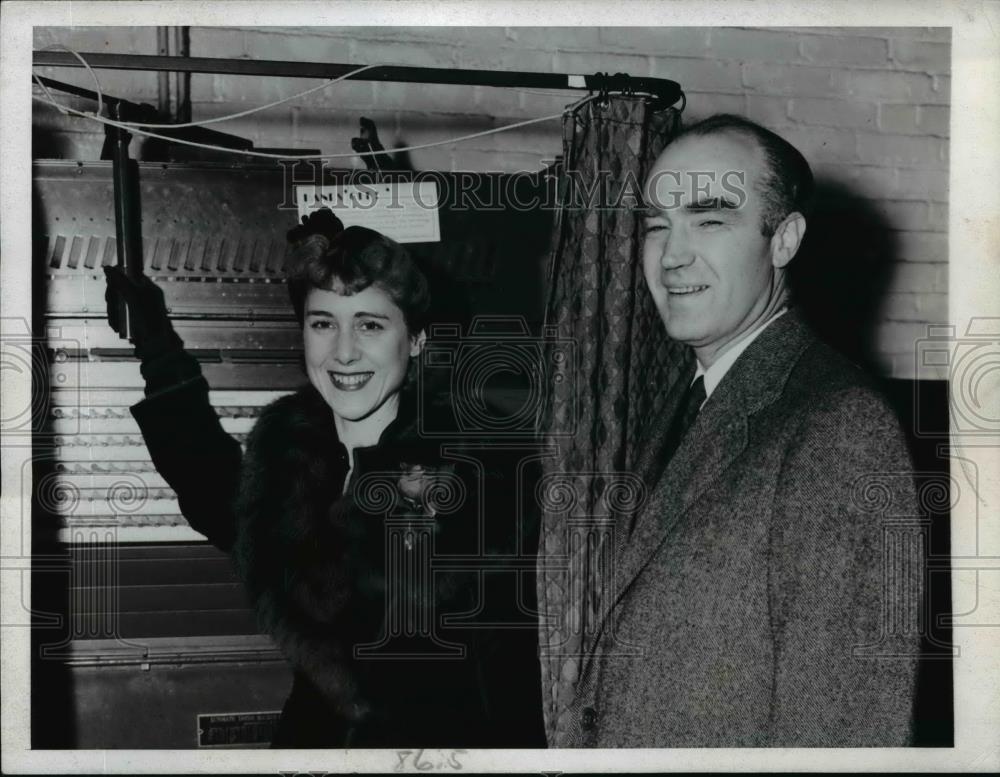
707, 264
357, 349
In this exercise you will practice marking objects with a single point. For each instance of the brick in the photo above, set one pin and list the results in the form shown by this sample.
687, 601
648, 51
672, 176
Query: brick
938, 217
469, 159
507, 103
532, 139
656, 41
352, 95
898, 119
202, 89
754, 44
902, 214
261, 44
442, 38
821, 144
832, 113
507, 162
701, 105
903, 366
137, 85
922, 277
857, 180
882, 182
849, 50
347, 49
588, 63
450, 36
487, 35
900, 150
552, 38
218, 42
249, 91
908, 366
789, 79
915, 33
900, 306
700, 75
286, 30
928, 307
426, 98
935, 120
505, 58
915, 119
926, 184
922, 247
940, 34
941, 90
535, 103
522, 137
332, 137
105, 40
336, 35
899, 337
891, 86
922, 55
481, 154
769, 111
307, 122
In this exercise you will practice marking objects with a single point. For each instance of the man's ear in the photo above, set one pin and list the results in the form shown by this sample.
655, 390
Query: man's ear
787, 238
417, 342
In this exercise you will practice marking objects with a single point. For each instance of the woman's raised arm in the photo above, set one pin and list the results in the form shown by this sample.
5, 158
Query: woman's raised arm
186, 441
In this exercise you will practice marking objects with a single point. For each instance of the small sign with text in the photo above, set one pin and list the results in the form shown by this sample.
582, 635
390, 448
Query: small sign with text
405, 211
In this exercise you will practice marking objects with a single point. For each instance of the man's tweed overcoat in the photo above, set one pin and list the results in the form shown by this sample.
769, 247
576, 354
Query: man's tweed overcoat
769, 591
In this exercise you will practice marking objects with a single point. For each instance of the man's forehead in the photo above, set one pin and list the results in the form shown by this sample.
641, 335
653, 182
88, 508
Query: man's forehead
714, 172
724, 147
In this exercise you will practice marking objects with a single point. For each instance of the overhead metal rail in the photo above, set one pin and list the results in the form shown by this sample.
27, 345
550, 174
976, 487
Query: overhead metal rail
663, 91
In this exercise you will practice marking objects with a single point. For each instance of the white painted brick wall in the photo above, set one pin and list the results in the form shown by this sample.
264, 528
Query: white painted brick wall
869, 107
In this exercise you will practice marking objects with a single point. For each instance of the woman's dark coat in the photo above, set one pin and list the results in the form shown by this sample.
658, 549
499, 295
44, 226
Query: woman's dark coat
314, 562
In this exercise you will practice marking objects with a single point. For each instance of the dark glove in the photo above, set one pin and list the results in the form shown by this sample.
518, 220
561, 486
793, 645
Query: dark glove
152, 333
164, 362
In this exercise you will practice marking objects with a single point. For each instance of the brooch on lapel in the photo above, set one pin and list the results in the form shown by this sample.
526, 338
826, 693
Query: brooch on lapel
427, 491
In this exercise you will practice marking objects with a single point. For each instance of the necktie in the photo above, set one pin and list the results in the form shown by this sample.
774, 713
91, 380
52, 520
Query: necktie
686, 412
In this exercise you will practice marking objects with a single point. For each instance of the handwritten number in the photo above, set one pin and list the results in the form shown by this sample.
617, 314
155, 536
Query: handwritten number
403, 755
424, 764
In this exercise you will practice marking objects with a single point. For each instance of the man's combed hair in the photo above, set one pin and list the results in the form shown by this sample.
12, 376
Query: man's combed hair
786, 186
353, 260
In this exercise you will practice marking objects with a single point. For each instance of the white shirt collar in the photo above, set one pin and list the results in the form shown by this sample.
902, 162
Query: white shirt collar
715, 373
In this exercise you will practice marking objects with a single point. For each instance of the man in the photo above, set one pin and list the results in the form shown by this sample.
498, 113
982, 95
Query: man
754, 602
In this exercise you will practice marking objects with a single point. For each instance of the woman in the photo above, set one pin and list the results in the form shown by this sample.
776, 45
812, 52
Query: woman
336, 508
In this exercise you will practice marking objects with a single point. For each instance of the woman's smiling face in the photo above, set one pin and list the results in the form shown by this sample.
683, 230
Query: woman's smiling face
357, 350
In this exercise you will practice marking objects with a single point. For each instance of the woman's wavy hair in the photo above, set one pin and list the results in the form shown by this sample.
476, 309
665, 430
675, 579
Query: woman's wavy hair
324, 255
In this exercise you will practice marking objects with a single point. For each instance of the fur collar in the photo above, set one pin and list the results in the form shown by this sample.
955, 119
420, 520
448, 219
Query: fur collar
313, 562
